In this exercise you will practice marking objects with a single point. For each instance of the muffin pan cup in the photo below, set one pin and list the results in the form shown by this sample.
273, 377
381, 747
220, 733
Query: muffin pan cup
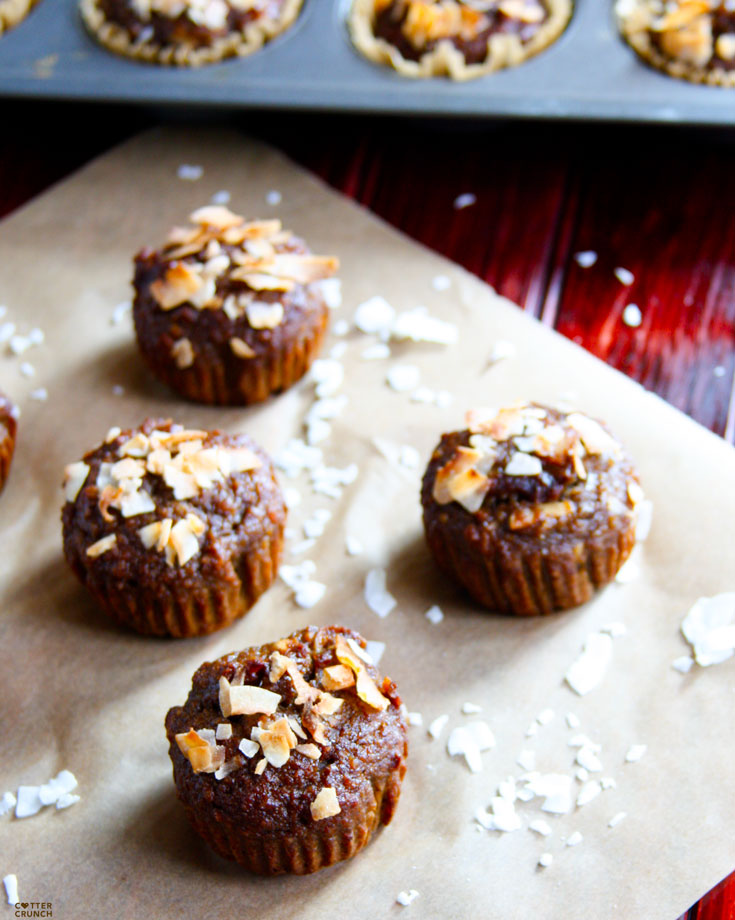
589, 73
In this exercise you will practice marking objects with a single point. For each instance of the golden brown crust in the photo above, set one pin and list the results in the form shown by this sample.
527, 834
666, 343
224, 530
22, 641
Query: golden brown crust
238, 44
13, 11
678, 39
444, 59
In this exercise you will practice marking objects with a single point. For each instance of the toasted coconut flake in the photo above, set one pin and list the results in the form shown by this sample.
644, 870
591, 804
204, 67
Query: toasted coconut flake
102, 546
263, 315
138, 446
337, 677
366, 687
240, 348
325, 805
183, 541
328, 705
248, 748
240, 700
259, 281
183, 353
260, 766
238, 460
279, 666
296, 727
203, 755
303, 269
593, 435
463, 460
277, 741
134, 503
216, 216
179, 284
309, 750
75, 475
469, 489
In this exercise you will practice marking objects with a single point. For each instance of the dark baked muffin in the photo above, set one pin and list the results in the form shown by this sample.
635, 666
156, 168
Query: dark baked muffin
175, 532
8, 428
187, 32
690, 39
229, 311
530, 508
459, 38
287, 757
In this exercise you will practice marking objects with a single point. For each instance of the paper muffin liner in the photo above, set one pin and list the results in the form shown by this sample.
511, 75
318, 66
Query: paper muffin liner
219, 377
312, 847
181, 611
529, 581
237, 44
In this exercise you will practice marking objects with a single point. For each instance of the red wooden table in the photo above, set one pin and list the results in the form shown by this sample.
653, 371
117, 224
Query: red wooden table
656, 202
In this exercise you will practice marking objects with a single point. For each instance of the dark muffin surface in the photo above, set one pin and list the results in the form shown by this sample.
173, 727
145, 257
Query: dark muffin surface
303, 780
174, 531
530, 508
229, 311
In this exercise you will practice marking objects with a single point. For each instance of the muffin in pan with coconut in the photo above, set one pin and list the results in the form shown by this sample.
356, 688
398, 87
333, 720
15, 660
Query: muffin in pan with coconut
461, 39
288, 756
174, 531
229, 310
187, 32
531, 508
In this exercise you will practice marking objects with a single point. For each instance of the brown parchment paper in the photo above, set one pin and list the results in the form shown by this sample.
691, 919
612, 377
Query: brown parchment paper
78, 693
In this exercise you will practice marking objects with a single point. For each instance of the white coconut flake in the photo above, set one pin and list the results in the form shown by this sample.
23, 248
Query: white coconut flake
437, 726
441, 282
273, 198
555, 789
377, 597
120, 312
6, 331
527, 760
10, 882
329, 480
404, 898
585, 259
541, 827
502, 350
63, 783
545, 860
632, 315
709, 627
574, 839
582, 775
315, 525
19, 344
309, 594
118, 390
409, 457
624, 276
341, 327
616, 630
607, 782
189, 172
39, 395
328, 376
465, 200
589, 669
630, 570
331, 289
403, 377
616, 819
298, 456
545, 716
683, 664
418, 326
635, 752
222, 197
297, 575
373, 652
471, 709
588, 792
338, 351
27, 370
504, 816
36, 336
532, 730
66, 800
469, 741
521, 464
587, 758
414, 718
375, 317
7, 803
376, 352
29, 802
353, 546
572, 720
434, 615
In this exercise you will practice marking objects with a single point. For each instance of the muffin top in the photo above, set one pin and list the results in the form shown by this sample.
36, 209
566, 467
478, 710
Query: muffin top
415, 27
532, 470
289, 733
168, 501
229, 281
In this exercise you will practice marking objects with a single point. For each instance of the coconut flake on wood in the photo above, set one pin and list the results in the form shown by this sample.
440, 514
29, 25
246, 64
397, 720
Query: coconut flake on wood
377, 597
589, 669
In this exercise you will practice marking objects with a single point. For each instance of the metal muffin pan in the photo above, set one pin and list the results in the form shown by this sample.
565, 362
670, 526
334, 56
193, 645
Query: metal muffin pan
589, 73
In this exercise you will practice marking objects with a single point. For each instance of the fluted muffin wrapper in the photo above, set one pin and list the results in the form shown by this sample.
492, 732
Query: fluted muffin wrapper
179, 611
530, 580
219, 377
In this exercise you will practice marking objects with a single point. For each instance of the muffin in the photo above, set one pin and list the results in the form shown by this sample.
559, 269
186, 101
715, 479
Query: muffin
175, 532
8, 428
530, 508
690, 39
458, 38
187, 32
287, 757
229, 311
13, 11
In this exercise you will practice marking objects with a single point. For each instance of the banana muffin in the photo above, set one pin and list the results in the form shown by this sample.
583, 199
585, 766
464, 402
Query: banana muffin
229, 311
8, 429
288, 756
187, 32
530, 508
690, 39
175, 532
457, 38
